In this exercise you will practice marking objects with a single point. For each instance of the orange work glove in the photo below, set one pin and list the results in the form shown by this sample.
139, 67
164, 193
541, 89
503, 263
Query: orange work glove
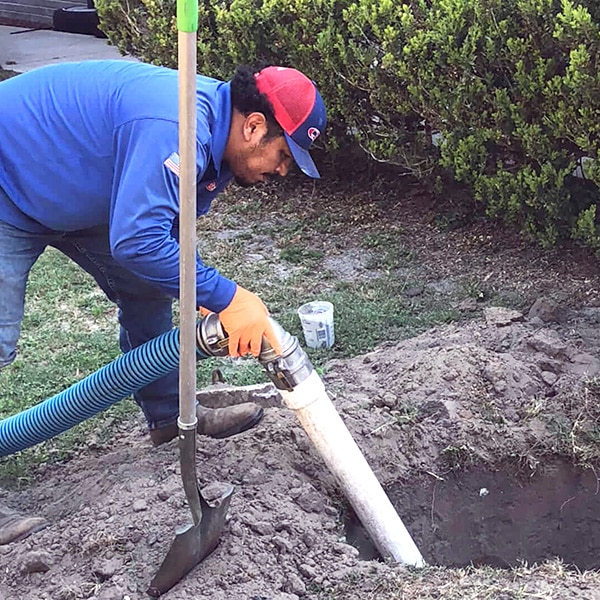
246, 322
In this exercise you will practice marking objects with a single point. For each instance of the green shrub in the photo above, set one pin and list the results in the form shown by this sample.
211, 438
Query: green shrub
510, 86
509, 89
146, 29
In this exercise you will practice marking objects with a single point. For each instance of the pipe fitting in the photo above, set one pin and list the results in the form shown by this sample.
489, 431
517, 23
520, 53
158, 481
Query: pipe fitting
289, 368
211, 339
286, 370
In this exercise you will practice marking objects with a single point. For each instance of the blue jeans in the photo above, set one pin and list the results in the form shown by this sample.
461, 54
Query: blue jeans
144, 310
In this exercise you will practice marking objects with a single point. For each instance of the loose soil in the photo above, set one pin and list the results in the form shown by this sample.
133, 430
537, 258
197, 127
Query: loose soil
484, 432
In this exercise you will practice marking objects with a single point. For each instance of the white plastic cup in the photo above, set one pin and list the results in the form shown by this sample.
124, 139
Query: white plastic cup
317, 324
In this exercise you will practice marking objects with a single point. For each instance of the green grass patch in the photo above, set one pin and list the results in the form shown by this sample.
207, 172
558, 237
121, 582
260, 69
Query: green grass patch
367, 312
299, 254
69, 331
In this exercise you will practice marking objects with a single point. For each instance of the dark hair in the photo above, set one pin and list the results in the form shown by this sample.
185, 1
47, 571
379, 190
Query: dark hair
246, 98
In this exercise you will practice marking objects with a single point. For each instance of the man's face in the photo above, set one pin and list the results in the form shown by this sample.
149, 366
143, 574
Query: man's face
257, 162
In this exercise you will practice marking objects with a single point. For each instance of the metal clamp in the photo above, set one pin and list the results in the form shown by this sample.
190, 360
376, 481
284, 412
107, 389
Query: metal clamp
286, 370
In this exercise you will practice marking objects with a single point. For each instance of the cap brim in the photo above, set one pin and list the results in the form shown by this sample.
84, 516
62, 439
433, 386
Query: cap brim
302, 158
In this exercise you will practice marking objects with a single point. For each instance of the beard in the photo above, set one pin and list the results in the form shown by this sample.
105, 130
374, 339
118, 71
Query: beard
242, 181
240, 176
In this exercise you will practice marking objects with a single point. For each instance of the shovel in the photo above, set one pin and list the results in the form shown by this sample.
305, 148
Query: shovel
194, 543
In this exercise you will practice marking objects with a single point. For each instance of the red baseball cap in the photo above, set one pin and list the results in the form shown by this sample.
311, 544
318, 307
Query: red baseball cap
298, 108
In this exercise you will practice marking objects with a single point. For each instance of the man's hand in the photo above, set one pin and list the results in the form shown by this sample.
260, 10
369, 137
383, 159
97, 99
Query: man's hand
246, 322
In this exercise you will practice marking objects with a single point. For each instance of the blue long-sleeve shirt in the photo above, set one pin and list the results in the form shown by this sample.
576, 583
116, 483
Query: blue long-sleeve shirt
96, 142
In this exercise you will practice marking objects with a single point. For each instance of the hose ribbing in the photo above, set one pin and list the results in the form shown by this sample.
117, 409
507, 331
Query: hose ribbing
110, 384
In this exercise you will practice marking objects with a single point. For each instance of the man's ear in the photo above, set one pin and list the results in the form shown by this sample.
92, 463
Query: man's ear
255, 127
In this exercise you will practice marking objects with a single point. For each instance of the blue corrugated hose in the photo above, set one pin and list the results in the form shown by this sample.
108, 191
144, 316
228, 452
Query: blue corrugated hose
113, 382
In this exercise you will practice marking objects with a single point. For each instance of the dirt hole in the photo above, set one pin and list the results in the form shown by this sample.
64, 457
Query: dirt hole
500, 518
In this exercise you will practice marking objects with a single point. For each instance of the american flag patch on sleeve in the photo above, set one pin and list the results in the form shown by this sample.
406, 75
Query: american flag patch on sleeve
172, 163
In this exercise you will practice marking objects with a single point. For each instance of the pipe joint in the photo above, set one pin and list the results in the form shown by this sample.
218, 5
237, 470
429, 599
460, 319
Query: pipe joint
291, 367
286, 370
211, 338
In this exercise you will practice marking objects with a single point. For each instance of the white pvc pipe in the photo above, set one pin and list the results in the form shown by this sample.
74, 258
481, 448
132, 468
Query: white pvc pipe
329, 434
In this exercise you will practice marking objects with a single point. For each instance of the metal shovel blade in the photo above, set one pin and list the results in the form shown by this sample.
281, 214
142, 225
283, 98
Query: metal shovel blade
192, 544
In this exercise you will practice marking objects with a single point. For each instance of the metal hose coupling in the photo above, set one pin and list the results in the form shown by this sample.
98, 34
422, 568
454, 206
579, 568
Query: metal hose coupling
286, 370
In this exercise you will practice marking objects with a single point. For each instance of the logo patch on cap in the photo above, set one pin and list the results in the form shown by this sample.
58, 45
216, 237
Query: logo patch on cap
298, 108
313, 133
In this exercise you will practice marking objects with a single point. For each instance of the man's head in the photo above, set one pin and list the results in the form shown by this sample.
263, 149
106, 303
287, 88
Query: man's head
277, 115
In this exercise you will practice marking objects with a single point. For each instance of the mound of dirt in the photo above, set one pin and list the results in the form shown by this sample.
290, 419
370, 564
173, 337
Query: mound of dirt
476, 393
479, 394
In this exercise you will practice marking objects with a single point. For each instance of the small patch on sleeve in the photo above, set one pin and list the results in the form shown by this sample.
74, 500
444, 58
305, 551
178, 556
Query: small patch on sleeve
172, 163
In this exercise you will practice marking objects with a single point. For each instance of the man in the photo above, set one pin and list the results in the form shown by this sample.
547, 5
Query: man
89, 164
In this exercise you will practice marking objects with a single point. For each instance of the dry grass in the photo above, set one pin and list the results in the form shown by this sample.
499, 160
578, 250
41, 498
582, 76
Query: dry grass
549, 581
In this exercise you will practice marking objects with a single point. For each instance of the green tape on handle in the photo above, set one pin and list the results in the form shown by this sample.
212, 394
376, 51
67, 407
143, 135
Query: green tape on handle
187, 15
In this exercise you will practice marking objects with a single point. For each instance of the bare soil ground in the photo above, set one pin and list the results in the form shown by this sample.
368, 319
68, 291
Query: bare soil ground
485, 433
